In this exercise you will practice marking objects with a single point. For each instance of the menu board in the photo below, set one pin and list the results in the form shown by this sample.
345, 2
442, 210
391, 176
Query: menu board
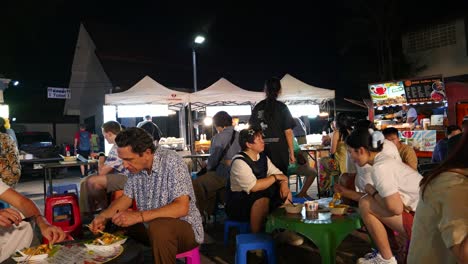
390, 93
425, 90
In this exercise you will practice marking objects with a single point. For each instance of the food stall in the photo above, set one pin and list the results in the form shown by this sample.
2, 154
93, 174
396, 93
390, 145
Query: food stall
427, 96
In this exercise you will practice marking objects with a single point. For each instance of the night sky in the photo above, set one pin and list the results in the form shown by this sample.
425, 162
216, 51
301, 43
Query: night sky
326, 44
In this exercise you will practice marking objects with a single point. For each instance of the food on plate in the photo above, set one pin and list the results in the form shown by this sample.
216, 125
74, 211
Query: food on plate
39, 250
107, 239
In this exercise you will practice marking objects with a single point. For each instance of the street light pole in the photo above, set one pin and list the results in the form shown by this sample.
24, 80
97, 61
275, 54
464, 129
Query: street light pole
194, 61
197, 41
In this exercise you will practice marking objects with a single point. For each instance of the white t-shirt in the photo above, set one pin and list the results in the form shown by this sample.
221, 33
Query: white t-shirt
391, 176
242, 177
411, 113
3, 187
363, 174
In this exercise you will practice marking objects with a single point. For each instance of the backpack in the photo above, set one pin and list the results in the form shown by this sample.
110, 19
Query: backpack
85, 143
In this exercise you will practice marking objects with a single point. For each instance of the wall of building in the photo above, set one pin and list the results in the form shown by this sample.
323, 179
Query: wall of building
448, 60
89, 82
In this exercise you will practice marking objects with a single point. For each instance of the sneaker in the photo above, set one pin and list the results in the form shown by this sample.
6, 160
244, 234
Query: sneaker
375, 258
290, 237
371, 254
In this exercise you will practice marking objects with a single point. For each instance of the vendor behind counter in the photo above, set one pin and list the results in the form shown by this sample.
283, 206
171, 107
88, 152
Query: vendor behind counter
407, 114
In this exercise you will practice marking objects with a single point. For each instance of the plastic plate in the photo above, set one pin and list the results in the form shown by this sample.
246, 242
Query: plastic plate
33, 258
105, 247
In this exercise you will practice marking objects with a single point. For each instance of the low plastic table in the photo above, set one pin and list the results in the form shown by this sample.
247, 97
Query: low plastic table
325, 230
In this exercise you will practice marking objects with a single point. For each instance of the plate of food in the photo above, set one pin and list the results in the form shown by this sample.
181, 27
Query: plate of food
106, 242
37, 253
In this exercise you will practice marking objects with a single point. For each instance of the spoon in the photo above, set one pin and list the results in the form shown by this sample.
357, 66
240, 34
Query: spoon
100, 241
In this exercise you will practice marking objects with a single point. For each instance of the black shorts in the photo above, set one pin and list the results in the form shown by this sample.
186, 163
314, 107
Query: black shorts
84, 153
239, 204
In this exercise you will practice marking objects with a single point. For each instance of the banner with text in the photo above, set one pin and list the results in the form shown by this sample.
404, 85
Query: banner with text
58, 93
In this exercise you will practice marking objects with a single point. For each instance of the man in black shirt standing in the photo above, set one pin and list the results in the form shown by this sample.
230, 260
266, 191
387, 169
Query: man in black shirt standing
150, 127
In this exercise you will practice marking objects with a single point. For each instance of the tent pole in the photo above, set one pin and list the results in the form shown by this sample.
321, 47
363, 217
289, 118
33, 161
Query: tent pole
190, 129
334, 107
182, 124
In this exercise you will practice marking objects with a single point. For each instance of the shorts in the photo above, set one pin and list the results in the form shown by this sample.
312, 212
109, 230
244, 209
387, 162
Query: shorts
239, 204
115, 182
408, 218
84, 153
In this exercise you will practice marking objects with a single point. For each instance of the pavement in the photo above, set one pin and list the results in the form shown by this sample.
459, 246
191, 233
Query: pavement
213, 249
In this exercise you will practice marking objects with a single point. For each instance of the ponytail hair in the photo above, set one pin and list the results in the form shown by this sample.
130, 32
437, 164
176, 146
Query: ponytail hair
367, 138
272, 90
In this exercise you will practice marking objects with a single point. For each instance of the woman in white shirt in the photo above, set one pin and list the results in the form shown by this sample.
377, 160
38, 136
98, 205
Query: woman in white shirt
440, 231
391, 199
256, 186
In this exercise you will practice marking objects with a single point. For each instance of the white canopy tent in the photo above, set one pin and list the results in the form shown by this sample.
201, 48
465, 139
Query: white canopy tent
294, 91
148, 91
223, 92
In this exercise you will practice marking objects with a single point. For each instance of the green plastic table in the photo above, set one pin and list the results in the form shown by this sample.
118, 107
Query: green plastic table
325, 230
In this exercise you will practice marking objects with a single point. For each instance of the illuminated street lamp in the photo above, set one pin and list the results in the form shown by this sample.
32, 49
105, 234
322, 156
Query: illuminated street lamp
197, 41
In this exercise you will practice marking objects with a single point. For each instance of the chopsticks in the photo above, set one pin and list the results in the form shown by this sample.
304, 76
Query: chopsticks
31, 255
291, 202
101, 232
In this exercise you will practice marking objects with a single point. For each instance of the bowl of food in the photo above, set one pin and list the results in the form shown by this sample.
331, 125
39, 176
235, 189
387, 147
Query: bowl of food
37, 253
106, 242
293, 208
339, 209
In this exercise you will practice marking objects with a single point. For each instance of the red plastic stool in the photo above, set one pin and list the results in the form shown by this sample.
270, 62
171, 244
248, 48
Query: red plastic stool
192, 256
71, 224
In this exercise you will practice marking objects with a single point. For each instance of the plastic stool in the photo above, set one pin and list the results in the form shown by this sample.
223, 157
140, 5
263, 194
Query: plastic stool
246, 242
191, 257
4, 205
63, 189
243, 227
70, 225
300, 200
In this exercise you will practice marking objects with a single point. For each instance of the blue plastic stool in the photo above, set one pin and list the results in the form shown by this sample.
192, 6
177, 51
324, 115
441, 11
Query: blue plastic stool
63, 189
300, 200
243, 227
4, 205
246, 242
